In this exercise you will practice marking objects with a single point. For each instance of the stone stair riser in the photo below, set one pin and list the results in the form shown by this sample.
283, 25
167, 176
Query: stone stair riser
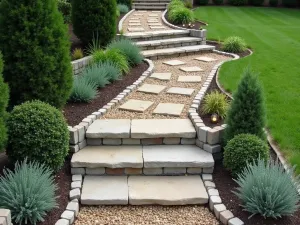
154, 38
172, 55
171, 45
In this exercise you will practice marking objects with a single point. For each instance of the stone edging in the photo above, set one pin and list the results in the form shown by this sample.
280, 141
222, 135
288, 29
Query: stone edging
79, 64
5, 217
120, 25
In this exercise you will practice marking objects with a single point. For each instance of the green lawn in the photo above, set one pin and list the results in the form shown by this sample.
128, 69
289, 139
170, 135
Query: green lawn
274, 35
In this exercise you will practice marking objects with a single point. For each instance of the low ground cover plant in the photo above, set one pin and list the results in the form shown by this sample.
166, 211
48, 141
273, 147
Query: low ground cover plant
28, 191
268, 190
215, 102
234, 44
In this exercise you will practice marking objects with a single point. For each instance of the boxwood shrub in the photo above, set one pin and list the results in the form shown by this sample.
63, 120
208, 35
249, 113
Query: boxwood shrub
39, 132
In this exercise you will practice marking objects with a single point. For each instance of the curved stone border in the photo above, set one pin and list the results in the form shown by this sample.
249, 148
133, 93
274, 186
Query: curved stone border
120, 25
169, 24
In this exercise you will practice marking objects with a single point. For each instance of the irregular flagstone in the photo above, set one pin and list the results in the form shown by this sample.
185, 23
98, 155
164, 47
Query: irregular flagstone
161, 76
105, 190
189, 79
164, 190
205, 59
169, 109
156, 128
181, 91
151, 88
112, 128
191, 69
108, 156
135, 29
174, 62
157, 156
136, 105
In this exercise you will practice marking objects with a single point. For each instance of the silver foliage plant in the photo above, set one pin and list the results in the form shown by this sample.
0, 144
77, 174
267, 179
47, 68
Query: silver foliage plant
28, 191
266, 189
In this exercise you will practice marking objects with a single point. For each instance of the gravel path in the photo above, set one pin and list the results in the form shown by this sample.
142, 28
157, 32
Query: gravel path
163, 97
135, 215
143, 18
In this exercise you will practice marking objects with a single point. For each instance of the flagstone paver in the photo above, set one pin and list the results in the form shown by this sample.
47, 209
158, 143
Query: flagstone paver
169, 109
135, 29
136, 105
157, 27
151, 88
191, 69
153, 15
174, 62
189, 79
181, 91
161, 76
205, 59
134, 24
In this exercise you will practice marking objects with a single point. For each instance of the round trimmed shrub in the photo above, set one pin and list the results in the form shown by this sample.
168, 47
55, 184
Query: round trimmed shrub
36, 50
93, 18
234, 44
243, 149
39, 132
237, 2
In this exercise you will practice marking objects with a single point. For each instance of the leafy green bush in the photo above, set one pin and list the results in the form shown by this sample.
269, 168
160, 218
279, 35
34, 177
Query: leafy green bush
111, 69
94, 16
273, 3
129, 49
112, 55
96, 74
175, 4
268, 190
36, 49
83, 90
215, 102
28, 191
181, 15
218, 2
77, 54
289, 3
126, 2
65, 7
244, 148
234, 44
123, 8
256, 2
202, 2
39, 132
3, 105
246, 113
237, 2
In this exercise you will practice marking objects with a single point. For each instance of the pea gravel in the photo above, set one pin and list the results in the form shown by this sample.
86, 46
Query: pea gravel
135, 215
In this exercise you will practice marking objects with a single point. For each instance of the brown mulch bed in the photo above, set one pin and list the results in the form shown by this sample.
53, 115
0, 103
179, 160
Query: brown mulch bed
63, 181
76, 112
226, 185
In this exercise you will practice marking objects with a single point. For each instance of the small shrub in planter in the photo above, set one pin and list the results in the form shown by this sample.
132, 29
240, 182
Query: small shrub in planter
83, 90
129, 49
125, 2
237, 2
246, 113
77, 54
234, 45
244, 148
268, 190
181, 15
215, 102
91, 17
114, 56
218, 2
273, 3
39, 132
256, 2
123, 9
28, 191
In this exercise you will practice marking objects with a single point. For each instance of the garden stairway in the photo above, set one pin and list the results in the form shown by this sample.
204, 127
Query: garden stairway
134, 162
150, 4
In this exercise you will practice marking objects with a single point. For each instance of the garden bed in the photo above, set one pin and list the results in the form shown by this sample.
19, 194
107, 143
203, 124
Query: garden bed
75, 112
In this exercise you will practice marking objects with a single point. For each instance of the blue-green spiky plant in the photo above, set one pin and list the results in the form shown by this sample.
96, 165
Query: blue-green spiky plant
83, 90
28, 191
96, 74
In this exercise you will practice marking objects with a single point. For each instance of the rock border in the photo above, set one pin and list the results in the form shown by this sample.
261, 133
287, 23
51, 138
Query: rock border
120, 25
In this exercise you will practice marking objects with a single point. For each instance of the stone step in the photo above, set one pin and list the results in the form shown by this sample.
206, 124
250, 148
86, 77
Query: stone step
146, 6
151, 1
169, 43
143, 190
186, 50
152, 156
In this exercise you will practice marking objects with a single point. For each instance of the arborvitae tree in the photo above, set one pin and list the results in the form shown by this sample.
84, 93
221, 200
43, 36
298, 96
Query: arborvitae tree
3, 104
247, 111
36, 51
94, 18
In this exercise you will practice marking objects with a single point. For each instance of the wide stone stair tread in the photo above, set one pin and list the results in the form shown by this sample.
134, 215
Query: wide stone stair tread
163, 33
143, 190
167, 41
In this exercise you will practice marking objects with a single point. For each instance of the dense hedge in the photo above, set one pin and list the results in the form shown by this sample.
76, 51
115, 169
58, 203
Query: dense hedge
94, 18
36, 51
126, 2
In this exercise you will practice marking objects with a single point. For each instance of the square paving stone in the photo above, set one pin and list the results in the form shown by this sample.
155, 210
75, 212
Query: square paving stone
205, 59
191, 69
157, 27
169, 109
151, 88
135, 29
134, 24
136, 105
161, 76
153, 21
189, 79
101, 190
153, 15
151, 24
181, 91
174, 62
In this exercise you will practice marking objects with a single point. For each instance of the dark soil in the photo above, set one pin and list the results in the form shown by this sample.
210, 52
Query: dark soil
63, 181
226, 185
76, 112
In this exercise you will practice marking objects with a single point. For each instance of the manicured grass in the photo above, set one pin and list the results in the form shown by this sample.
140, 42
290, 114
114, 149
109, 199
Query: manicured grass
274, 36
